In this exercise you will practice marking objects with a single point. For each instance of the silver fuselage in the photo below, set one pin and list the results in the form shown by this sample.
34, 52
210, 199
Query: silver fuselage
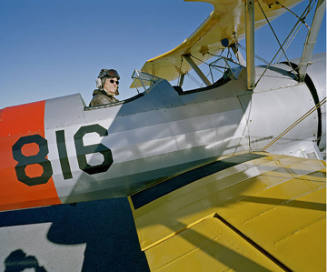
162, 133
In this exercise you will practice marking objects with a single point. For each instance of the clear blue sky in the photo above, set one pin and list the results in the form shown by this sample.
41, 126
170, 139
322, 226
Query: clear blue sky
56, 48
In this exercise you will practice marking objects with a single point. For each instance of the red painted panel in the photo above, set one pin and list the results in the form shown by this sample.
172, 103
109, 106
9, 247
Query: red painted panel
16, 122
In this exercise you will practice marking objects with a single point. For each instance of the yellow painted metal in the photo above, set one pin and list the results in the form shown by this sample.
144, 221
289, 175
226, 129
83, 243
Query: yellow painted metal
277, 202
226, 21
206, 245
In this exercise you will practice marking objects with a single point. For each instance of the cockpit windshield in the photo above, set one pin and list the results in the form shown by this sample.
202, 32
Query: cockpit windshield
226, 66
146, 80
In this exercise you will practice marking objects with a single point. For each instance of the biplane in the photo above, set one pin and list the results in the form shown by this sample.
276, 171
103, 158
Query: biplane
229, 176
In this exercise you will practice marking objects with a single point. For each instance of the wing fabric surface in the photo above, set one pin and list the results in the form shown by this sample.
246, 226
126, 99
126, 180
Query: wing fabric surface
226, 21
256, 212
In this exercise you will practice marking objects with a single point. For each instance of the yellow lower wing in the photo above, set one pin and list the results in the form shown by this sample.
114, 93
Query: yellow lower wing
247, 212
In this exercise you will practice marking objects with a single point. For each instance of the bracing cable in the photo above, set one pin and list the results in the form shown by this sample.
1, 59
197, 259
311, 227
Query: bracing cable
313, 109
303, 15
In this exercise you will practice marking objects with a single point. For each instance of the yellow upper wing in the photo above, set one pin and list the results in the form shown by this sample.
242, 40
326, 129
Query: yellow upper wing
226, 21
250, 212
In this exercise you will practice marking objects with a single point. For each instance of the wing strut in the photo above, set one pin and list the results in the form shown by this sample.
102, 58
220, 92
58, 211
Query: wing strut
311, 39
197, 70
181, 80
238, 54
249, 36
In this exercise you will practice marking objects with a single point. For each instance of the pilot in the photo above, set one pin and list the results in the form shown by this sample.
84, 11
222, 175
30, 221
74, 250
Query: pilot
107, 87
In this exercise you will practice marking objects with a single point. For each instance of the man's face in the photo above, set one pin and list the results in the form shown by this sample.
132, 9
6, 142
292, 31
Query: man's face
111, 85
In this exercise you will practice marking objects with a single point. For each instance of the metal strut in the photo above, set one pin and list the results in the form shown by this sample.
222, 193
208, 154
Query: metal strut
311, 39
313, 109
249, 36
286, 42
197, 69
238, 54
181, 80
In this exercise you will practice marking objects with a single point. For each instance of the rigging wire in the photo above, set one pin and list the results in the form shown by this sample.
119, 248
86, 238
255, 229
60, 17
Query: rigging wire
227, 59
194, 79
290, 38
200, 60
304, 14
313, 109
292, 35
302, 20
273, 31
258, 57
282, 47
210, 73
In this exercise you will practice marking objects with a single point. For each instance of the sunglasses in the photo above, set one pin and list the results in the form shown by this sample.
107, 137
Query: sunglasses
114, 81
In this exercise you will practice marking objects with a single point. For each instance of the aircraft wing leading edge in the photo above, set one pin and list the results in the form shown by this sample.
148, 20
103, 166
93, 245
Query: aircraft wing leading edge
224, 23
249, 212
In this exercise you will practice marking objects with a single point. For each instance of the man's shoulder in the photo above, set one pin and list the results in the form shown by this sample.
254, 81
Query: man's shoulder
99, 92
100, 97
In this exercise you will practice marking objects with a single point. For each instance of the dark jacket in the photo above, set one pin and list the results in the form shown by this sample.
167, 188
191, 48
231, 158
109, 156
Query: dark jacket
100, 97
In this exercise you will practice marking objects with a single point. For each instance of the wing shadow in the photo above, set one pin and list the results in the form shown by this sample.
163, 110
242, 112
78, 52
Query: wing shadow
106, 226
